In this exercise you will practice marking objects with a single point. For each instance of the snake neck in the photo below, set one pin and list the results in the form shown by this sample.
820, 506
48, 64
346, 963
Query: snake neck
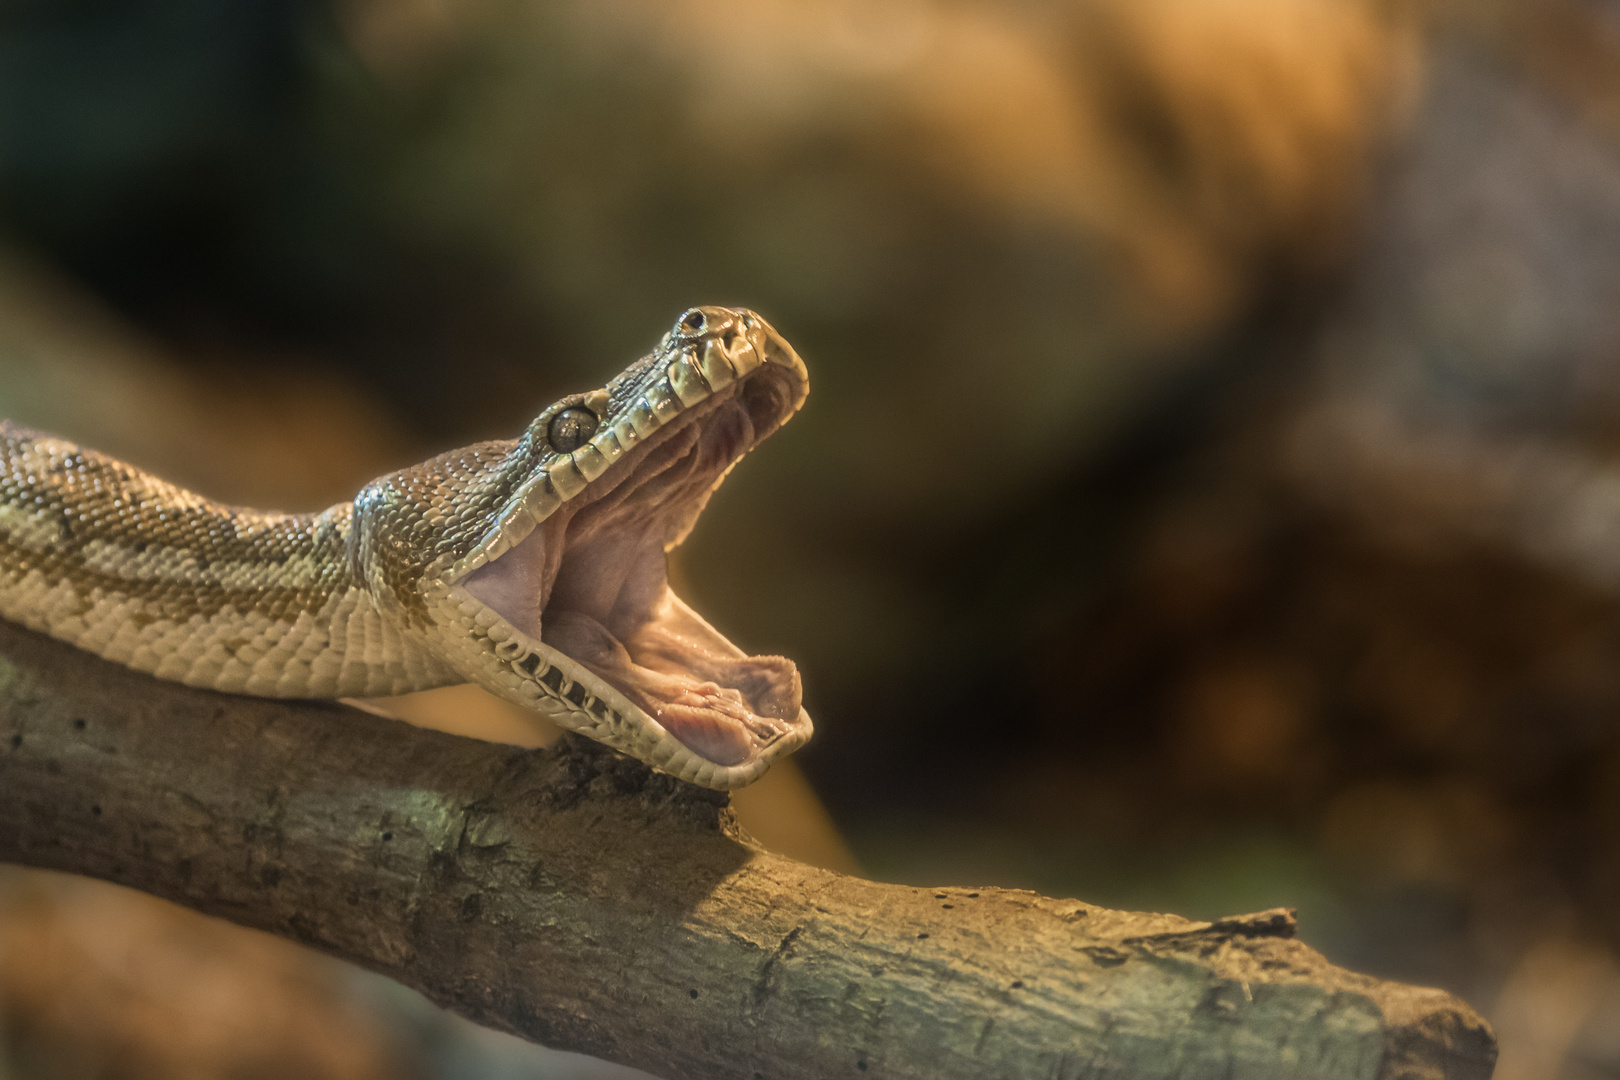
109, 558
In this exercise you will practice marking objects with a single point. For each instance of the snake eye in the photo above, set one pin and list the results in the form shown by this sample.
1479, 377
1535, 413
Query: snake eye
693, 321
571, 429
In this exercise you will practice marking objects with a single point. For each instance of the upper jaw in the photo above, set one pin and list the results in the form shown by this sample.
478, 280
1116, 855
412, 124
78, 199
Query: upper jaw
686, 371
693, 373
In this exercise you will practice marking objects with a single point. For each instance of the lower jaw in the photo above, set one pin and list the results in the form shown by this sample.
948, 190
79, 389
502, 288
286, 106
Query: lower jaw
721, 740
706, 730
582, 700
719, 703
509, 663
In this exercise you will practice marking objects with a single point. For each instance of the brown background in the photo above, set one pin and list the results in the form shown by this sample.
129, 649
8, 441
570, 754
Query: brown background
1207, 501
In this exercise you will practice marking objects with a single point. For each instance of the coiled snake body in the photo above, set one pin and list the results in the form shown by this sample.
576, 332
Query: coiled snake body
533, 567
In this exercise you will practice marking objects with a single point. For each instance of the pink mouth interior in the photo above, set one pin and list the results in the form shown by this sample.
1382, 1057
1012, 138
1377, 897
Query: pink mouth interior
590, 581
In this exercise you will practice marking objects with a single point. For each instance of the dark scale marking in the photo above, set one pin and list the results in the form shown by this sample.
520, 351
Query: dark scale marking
598, 708
576, 694
553, 680
135, 510
139, 513
530, 663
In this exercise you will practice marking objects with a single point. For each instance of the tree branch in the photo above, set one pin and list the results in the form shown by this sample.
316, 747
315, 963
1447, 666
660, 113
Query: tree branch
576, 898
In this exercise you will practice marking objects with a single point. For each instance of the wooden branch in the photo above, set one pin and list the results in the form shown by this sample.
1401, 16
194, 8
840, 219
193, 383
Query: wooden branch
578, 899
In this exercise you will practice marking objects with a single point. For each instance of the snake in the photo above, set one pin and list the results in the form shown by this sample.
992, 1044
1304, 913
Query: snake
535, 567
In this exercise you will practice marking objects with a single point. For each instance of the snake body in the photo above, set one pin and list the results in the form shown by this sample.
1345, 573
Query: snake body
532, 567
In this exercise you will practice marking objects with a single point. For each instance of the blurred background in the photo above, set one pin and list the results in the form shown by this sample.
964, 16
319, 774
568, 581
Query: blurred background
1209, 497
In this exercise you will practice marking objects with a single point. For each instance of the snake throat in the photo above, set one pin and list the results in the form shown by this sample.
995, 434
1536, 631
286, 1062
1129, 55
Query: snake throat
591, 582
586, 589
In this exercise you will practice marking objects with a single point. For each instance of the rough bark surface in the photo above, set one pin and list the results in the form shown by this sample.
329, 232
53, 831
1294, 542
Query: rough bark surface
576, 898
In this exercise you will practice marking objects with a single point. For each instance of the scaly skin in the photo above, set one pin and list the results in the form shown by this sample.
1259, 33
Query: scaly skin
372, 597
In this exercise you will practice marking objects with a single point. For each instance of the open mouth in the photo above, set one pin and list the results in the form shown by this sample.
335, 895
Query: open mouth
588, 579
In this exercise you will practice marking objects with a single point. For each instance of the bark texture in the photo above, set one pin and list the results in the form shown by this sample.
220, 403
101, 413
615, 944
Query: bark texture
578, 899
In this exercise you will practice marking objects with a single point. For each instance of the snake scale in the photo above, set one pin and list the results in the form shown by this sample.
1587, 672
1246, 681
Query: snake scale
532, 567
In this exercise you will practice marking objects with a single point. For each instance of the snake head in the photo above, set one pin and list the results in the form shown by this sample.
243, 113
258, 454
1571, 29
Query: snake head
558, 596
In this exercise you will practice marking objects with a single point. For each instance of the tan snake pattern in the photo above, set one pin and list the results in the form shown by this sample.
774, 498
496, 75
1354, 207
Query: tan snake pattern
454, 570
